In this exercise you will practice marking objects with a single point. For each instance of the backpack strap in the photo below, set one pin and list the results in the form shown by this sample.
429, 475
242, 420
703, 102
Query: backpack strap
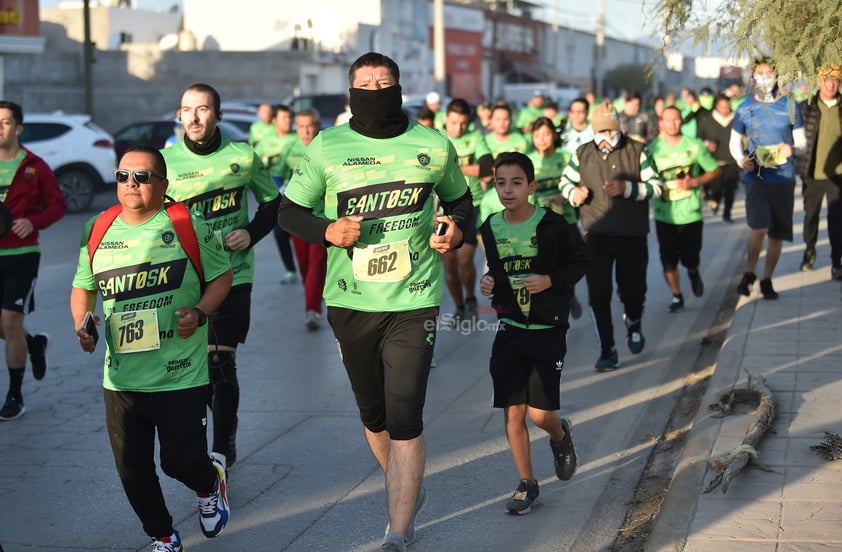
100, 227
180, 218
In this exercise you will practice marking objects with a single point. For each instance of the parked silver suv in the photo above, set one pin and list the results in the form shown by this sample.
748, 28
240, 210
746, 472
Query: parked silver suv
80, 153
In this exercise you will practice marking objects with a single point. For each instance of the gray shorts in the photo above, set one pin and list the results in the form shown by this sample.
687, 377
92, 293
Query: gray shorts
769, 206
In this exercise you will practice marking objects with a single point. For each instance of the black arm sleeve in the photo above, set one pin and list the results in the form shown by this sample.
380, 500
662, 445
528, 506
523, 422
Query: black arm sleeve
486, 165
461, 210
300, 221
263, 221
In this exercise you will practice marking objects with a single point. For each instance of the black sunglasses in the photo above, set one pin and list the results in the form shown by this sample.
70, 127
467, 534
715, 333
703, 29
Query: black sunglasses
141, 177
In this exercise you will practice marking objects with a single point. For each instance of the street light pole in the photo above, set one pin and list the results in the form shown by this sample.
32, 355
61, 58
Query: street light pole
88, 59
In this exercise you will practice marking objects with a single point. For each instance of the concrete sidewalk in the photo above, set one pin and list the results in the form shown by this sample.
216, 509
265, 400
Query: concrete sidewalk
795, 343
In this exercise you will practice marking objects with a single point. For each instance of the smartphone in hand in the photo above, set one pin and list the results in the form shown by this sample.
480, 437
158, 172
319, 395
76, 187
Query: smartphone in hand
441, 229
90, 327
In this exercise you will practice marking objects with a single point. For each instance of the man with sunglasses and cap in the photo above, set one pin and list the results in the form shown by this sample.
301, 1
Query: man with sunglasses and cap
29, 191
212, 175
155, 377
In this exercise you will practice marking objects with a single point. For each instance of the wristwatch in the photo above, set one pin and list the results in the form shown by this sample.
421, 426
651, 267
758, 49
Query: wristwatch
203, 318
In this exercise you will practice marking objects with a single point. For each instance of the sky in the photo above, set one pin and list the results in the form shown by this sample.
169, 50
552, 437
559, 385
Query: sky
624, 19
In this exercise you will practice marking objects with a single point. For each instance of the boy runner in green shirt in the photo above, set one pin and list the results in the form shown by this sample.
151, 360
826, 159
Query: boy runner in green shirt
534, 259
678, 212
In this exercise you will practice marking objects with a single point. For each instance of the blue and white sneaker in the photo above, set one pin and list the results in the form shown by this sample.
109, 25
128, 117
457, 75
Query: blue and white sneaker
213, 508
168, 544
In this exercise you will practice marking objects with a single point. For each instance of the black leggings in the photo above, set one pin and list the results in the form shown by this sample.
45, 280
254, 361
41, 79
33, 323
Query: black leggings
132, 419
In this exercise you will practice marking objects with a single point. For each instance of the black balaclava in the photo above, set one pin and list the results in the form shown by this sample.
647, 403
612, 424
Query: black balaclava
209, 146
378, 113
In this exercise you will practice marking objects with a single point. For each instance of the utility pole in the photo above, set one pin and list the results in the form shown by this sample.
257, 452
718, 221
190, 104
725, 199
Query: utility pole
600, 49
88, 59
438, 46
492, 67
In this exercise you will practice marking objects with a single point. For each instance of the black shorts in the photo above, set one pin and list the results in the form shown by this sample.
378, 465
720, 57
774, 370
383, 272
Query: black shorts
471, 236
526, 366
770, 206
18, 274
387, 357
229, 325
679, 242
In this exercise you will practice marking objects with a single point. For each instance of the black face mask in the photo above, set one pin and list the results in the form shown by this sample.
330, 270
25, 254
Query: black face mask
378, 113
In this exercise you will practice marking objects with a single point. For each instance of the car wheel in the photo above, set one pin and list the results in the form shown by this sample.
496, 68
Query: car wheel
78, 188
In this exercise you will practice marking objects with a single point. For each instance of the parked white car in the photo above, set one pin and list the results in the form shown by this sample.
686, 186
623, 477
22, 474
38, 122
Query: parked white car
79, 152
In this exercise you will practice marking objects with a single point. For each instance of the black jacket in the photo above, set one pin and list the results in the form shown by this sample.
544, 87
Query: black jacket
562, 256
805, 163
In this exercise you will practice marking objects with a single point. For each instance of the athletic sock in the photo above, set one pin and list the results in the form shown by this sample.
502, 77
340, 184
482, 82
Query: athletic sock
15, 382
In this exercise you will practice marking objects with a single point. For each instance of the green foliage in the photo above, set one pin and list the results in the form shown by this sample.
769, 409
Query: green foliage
799, 35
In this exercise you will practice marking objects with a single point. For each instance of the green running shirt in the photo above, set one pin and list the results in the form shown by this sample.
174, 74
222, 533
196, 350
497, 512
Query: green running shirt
390, 182
144, 276
548, 172
515, 142
470, 147
677, 206
517, 246
215, 185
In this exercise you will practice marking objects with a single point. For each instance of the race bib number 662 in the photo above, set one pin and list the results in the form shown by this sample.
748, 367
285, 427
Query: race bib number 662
388, 262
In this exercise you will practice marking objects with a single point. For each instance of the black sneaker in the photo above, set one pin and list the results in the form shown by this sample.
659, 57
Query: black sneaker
38, 354
470, 308
12, 409
836, 272
564, 454
523, 498
808, 261
607, 360
696, 283
677, 304
766, 289
744, 287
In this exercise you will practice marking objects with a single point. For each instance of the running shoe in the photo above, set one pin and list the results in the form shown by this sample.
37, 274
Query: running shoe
564, 455
312, 320
168, 544
808, 261
38, 354
523, 498
394, 543
767, 290
470, 308
12, 409
677, 304
608, 360
636, 341
289, 278
696, 283
744, 287
213, 507
836, 272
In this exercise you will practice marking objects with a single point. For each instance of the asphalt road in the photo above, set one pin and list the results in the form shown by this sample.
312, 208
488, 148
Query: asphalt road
305, 480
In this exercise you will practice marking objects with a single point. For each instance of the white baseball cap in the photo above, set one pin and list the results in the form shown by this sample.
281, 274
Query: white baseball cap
433, 98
